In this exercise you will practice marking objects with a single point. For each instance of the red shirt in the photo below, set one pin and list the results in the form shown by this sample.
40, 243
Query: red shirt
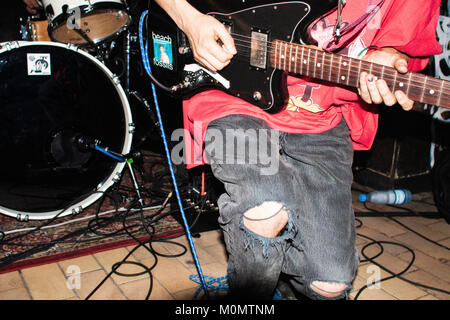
409, 26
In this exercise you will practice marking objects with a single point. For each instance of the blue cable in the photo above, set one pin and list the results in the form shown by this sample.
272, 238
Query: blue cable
147, 67
109, 154
215, 284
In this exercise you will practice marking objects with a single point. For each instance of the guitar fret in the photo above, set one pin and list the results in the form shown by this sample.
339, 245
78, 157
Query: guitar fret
359, 73
315, 63
301, 61
348, 70
323, 65
290, 57
307, 64
277, 65
331, 67
409, 84
423, 89
440, 93
296, 52
339, 70
285, 51
395, 80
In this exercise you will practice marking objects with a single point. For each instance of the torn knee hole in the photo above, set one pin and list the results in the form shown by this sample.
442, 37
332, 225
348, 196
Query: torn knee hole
266, 220
328, 289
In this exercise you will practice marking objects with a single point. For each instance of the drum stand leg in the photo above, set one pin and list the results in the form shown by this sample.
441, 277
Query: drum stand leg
136, 185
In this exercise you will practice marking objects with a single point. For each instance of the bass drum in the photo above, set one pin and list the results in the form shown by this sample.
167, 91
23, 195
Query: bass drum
52, 97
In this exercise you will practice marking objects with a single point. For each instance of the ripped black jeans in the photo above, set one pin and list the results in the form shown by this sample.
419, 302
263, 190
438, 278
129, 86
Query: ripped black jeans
310, 174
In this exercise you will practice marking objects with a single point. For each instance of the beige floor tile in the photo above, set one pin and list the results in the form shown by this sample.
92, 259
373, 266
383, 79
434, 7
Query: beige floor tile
173, 247
402, 289
187, 294
383, 225
46, 282
10, 280
358, 283
138, 290
172, 274
213, 270
415, 242
85, 264
203, 256
369, 271
219, 252
427, 279
423, 229
372, 294
90, 280
430, 265
373, 234
441, 226
210, 238
15, 294
391, 262
419, 220
108, 258
142, 253
446, 243
428, 297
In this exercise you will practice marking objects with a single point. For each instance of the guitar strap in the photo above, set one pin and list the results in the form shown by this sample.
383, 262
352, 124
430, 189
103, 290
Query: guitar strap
353, 28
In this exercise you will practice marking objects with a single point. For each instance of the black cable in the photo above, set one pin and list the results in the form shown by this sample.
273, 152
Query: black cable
406, 227
393, 274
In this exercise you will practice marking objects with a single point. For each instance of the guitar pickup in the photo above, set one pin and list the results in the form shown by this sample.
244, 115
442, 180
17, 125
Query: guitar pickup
258, 48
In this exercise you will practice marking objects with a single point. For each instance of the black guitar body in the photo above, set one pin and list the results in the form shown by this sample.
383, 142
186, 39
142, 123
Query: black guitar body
254, 24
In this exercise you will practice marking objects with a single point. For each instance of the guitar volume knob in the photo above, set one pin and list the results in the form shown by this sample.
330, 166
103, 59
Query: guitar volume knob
257, 95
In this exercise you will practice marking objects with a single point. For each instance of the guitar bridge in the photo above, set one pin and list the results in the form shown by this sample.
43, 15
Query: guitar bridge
258, 49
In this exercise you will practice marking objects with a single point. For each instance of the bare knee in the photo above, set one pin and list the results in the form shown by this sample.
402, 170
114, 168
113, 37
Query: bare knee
328, 289
267, 220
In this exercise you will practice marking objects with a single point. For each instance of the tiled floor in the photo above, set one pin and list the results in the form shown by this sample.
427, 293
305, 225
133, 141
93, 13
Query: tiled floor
171, 275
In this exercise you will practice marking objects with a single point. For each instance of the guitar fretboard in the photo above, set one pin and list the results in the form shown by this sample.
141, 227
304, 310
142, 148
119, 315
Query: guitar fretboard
346, 71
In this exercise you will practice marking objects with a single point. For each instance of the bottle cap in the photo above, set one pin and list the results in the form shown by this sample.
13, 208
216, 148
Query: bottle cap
362, 197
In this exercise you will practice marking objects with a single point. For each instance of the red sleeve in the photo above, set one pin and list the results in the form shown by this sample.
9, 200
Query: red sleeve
410, 27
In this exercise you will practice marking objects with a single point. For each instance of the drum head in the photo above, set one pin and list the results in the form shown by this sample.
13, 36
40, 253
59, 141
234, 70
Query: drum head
50, 97
95, 27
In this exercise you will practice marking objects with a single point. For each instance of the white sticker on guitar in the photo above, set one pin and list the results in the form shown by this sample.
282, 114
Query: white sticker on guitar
39, 64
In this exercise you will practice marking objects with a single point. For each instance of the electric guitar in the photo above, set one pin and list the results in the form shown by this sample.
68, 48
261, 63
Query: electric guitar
270, 38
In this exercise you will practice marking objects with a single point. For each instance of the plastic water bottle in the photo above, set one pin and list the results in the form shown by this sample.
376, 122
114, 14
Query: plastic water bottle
397, 196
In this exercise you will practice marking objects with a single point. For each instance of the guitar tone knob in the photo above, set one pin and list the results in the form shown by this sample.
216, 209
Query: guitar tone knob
257, 95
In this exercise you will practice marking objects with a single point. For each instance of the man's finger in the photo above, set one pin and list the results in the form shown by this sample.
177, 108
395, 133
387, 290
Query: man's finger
403, 100
227, 40
363, 90
386, 93
373, 90
401, 65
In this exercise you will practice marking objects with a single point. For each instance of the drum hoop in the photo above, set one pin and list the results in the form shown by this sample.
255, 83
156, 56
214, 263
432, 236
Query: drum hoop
105, 5
93, 196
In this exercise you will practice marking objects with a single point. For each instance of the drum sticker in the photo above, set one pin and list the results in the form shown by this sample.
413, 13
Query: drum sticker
162, 48
39, 64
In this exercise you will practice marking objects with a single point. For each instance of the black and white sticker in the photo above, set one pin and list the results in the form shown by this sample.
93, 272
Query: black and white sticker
39, 64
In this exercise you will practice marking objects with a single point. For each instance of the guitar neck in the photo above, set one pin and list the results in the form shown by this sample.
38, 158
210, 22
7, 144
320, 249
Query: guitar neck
344, 70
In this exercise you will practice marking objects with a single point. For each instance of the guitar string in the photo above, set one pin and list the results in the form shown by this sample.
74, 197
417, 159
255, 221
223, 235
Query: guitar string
270, 45
375, 68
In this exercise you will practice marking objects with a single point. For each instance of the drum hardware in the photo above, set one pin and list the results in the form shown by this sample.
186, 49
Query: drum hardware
23, 218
